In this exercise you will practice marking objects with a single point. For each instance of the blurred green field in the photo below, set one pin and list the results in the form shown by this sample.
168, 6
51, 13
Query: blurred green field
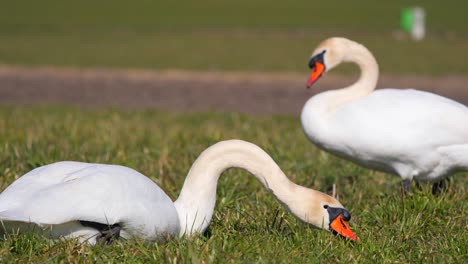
249, 225
225, 35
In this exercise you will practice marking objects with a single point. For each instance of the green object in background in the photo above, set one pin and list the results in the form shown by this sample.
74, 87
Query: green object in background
406, 19
207, 36
412, 21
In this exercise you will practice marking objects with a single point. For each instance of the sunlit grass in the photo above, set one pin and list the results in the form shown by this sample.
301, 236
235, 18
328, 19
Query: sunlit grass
249, 225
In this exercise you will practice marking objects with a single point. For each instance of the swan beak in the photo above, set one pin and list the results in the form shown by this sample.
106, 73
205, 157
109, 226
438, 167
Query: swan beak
317, 71
341, 227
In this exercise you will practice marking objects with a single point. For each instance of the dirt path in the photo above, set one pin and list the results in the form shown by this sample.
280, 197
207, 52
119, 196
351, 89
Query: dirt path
260, 93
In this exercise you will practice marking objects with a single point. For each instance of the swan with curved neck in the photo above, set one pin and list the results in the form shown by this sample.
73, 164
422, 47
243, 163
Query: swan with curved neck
98, 203
411, 133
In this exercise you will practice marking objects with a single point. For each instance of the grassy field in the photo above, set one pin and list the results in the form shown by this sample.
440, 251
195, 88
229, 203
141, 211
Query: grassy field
248, 225
225, 35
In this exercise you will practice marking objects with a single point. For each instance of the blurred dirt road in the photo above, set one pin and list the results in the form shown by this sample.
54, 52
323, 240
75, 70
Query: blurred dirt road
258, 93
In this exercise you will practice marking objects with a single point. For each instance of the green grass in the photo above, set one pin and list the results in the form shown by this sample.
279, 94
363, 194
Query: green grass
249, 225
225, 35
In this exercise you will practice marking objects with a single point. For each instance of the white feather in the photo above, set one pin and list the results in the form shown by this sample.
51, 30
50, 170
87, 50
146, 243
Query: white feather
410, 133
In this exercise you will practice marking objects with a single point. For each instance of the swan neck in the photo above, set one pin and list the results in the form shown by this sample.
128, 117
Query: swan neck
368, 66
197, 198
360, 55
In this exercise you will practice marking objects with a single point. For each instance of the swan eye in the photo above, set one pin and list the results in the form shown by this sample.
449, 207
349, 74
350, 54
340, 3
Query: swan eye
325, 206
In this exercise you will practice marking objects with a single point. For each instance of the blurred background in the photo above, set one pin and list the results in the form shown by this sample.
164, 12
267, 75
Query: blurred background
175, 49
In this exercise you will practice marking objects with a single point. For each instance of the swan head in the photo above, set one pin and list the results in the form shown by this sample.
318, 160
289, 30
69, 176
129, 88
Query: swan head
323, 211
338, 221
326, 56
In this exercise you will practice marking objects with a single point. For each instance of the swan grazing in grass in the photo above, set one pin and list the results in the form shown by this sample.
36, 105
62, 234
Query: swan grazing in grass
98, 203
410, 133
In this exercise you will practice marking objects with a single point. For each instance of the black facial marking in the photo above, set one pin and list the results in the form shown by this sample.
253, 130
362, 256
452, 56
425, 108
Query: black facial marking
316, 58
346, 215
334, 212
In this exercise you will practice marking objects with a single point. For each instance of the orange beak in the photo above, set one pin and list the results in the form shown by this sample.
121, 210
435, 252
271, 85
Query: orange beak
316, 73
341, 227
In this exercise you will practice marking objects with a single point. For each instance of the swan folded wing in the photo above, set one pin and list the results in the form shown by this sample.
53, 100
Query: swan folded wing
89, 198
409, 114
95, 192
49, 175
106, 194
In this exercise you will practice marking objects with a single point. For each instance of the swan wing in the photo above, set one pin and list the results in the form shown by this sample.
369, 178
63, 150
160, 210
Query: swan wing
403, 117
70, 191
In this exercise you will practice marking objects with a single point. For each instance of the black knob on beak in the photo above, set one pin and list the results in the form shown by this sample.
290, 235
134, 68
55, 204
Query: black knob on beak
334, 212
346, 215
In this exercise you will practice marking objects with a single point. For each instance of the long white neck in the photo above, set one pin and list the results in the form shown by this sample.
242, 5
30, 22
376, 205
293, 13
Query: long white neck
355, 53
197, 199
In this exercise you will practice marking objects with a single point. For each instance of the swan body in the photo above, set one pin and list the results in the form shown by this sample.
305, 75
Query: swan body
88, 201
56, 196
410, 133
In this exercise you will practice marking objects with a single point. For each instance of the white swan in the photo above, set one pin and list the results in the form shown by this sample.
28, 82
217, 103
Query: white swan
410, 133
97, 202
